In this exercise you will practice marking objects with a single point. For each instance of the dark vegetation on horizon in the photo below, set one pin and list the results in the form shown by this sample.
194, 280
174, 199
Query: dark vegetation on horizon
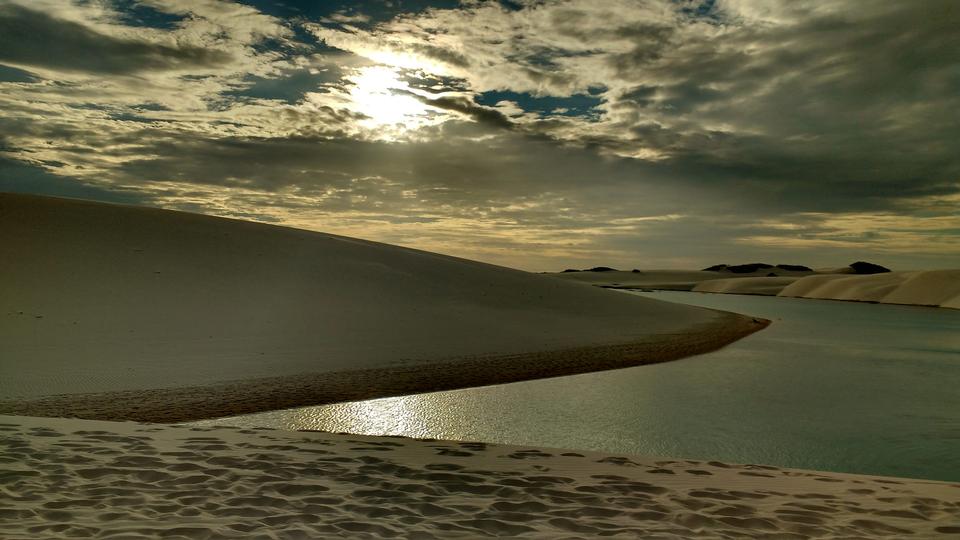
753, 267
859, 267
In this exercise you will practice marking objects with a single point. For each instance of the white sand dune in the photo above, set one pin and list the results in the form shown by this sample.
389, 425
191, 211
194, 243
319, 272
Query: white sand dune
939, 288
765, 286
78, 478
120, 312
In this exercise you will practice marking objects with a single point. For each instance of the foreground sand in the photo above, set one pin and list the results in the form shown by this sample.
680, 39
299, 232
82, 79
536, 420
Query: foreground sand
119, 312
78, 478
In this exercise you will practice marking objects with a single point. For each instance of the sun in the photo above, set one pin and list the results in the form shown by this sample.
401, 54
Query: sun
386, 100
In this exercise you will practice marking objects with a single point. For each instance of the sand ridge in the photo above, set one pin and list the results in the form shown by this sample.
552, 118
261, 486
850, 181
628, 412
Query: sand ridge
78, 478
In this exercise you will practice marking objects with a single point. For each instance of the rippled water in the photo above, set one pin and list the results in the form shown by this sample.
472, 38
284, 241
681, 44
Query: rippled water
834, 386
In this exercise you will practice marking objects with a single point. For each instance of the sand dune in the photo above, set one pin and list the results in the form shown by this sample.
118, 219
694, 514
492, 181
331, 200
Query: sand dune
120, 312
939, 288
924, 288
667, 280
765, 286
76, 478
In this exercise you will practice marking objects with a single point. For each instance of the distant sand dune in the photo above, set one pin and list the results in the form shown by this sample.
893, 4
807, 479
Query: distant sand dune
112, 311
924, 288
76, 478
938, 288
765, 286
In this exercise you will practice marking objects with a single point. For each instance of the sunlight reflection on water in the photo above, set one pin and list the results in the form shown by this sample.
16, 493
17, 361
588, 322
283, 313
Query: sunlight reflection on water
830, 385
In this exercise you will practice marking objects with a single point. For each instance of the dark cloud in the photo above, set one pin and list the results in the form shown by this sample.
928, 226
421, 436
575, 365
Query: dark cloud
447, 56
687, 131
484, 115
37, 39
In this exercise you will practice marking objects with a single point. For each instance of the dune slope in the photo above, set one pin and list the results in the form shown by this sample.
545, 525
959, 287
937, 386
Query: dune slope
939, 288
764, 286
124, 312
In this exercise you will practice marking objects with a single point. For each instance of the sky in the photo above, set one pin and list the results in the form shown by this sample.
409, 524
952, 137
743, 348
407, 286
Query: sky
539, 135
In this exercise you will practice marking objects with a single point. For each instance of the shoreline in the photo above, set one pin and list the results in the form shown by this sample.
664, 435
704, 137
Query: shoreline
875, 302
182, 404
928, 288
201, 482
654, 289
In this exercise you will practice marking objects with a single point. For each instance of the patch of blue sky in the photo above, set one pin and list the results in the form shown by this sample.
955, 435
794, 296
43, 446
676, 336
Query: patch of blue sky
133, 13
19, 177
12, 74
511, 5
289, 88
583, 105
700, 9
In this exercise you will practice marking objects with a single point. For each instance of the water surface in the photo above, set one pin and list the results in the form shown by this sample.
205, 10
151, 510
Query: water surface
839, 386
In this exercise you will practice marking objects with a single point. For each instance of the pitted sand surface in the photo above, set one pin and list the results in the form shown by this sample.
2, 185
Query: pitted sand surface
74, 478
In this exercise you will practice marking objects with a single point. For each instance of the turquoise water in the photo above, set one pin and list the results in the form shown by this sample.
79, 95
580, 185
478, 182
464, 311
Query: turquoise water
835, 386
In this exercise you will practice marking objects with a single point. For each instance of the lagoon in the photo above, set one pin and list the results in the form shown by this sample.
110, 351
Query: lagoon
836, 386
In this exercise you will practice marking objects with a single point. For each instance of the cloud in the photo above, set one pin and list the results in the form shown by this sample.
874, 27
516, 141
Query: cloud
34, 38
18, 177
533, 134
484, 115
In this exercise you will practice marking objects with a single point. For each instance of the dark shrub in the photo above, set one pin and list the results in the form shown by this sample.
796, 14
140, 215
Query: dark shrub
748, 268
861, 267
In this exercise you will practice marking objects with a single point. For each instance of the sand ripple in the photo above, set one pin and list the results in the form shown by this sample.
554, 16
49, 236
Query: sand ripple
85, 479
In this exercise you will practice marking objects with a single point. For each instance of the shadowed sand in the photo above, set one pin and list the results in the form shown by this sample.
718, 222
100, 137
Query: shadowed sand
119, 312
249, 396
78, 478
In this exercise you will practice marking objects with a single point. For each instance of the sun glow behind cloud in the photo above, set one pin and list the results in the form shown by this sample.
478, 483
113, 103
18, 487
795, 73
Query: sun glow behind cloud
387, 102
543, 135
